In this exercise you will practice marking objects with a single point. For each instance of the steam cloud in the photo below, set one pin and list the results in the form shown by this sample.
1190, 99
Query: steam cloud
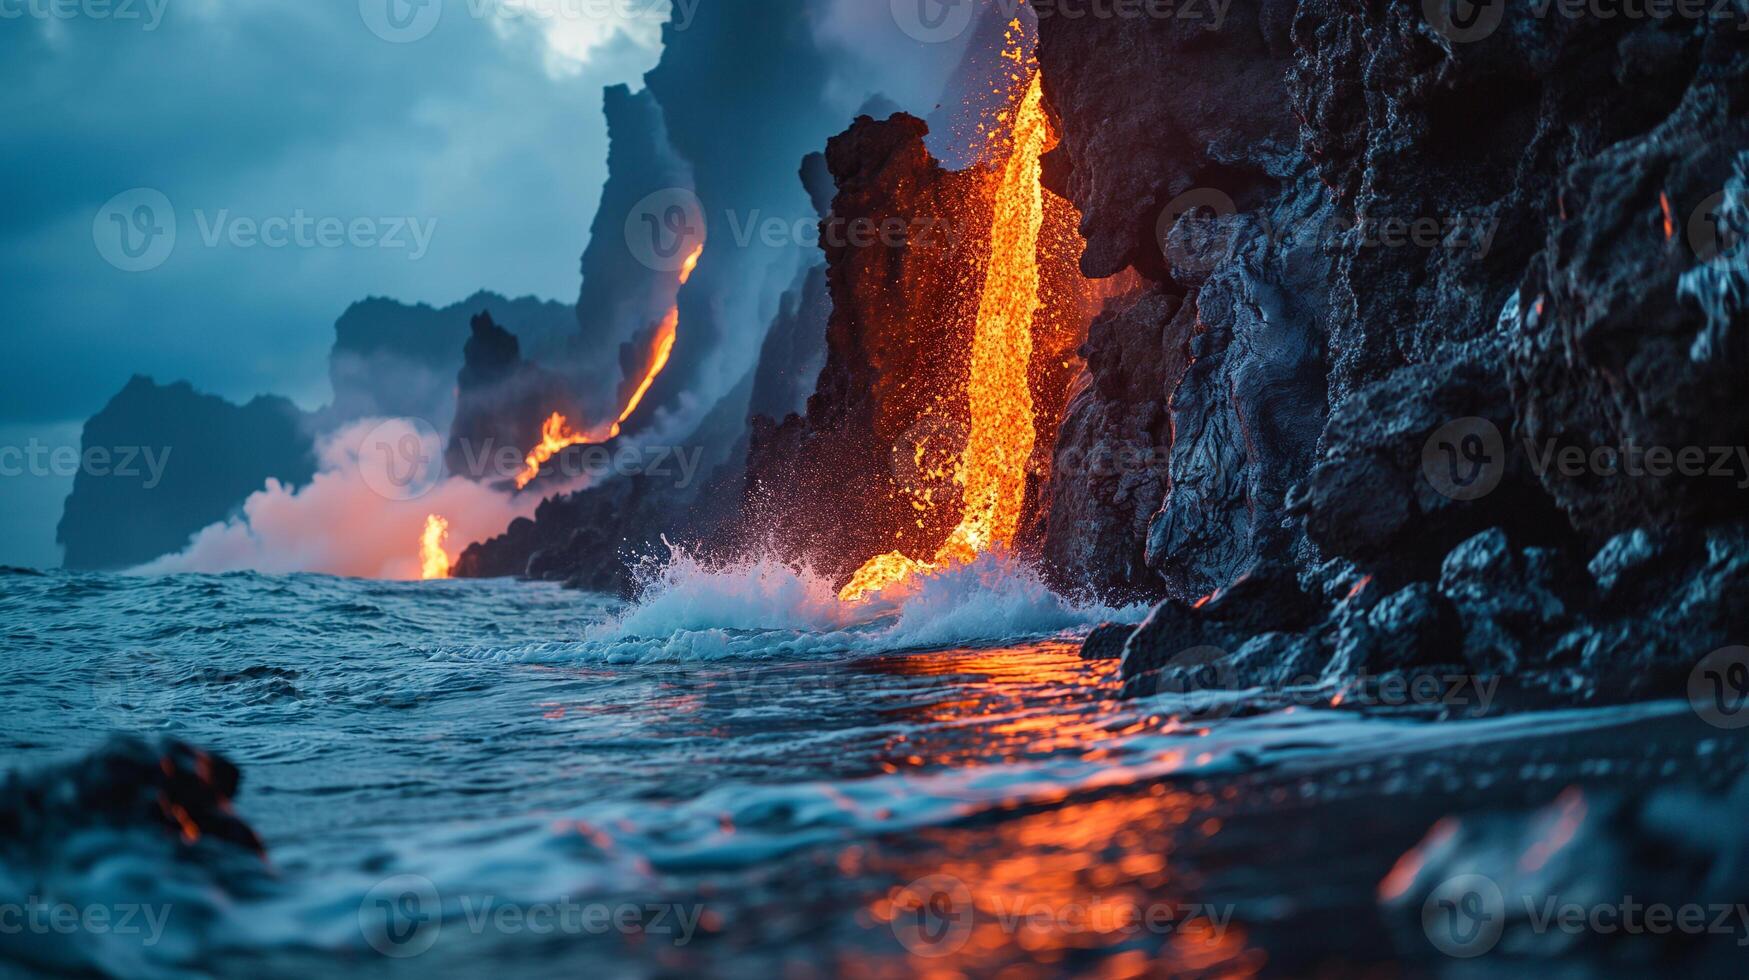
343, 522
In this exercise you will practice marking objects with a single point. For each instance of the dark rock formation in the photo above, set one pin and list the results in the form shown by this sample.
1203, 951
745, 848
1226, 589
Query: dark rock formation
160, 462
391, 359
1111, 453
625, 290
868, 468
794, 350
714, 68
1415, 271
836, 484
636, 496
167, 787
501, 401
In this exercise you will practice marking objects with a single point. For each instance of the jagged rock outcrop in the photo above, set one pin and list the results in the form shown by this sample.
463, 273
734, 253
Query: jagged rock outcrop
1211, 135
393, 359
1112, 450
1415, 265
837, 483
165, 786
502, 401
160, 462
869, 468
637, 497
626, 290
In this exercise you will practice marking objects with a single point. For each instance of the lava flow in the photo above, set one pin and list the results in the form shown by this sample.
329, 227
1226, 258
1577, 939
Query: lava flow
556, 432
433, 560
992, 468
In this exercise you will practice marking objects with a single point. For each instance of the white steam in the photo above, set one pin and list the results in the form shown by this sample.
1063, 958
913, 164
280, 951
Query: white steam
357, 517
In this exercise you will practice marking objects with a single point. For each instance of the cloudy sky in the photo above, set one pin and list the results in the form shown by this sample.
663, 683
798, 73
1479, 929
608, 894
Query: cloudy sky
465, 134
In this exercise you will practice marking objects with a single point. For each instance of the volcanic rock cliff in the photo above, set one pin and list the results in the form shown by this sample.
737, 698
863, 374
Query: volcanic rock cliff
164, 461
1413, 261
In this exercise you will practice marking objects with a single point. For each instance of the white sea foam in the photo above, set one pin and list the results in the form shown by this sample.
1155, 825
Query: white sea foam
766, 607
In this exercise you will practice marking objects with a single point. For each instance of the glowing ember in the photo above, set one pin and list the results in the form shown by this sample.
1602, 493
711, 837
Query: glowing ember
1669, 215
433, 561
992, 469
556, 433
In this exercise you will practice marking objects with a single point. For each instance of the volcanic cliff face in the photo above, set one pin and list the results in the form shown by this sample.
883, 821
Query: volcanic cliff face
173, 461
395, 359
1408, 263
870, 467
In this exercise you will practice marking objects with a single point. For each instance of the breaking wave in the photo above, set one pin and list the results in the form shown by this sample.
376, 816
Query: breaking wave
693, 609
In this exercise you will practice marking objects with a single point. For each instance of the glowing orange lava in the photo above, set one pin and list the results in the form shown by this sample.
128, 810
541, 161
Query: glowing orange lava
433, 561
992, 468
556, 433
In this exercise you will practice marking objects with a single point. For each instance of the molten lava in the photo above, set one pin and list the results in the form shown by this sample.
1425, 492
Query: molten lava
556, 433
433, 560
992, 468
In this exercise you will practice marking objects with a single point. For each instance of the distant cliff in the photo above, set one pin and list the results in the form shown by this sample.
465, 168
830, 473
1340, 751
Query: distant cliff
177, 460
395, 359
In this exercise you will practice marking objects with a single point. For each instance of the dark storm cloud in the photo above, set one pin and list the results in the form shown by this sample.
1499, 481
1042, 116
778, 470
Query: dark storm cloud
264, 122
246, 115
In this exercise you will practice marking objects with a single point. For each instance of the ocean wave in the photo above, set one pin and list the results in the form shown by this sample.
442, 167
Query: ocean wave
691, 609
